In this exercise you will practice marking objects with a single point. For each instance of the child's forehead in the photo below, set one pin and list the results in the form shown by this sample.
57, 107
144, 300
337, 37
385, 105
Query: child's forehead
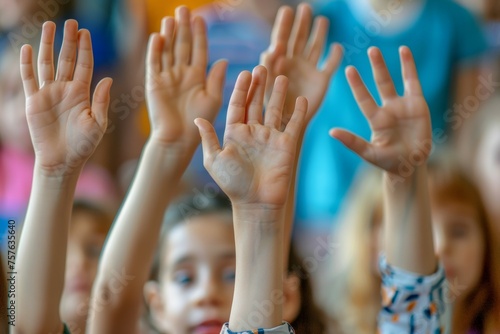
84, 222
210, 236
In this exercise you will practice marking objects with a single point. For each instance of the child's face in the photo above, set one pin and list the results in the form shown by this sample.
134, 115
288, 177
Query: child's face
86, 239
197, 282
488, 171
459, 243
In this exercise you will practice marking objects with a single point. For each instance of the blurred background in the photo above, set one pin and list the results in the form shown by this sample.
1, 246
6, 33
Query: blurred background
456, 46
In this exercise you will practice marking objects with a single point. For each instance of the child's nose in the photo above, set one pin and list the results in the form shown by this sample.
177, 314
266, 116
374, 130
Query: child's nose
209, 293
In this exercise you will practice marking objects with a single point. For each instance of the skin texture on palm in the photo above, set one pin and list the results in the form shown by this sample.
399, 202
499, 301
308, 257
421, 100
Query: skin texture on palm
254, 168
177, 92
401, 132
65, 129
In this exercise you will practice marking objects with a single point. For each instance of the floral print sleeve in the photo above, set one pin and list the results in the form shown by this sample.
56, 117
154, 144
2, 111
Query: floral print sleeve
411, 304
285, 328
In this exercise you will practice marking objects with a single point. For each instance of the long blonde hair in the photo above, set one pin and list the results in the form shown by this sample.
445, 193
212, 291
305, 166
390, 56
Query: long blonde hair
355, 286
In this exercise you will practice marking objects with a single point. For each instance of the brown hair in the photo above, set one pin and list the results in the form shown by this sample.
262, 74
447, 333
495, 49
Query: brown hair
448, 183
492, 10
310, 318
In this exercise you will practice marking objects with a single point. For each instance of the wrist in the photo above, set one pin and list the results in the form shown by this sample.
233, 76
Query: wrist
172, 157
57, 175
251, 215
405, 178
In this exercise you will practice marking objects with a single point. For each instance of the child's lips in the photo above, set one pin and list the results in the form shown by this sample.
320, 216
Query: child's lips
209, 327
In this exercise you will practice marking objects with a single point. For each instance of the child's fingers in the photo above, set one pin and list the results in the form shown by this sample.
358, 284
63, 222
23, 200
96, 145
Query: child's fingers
216, 78
296, 123
355, 143
183, 37
317, 41
381, 75
363, 97
85, 63
200, 45
276, 103
255, 99
46, 53
334, 59
409, 71
281, 30
67, 56
27, 72
167, 32
238, 101
153, 56
100, 102
209, 141
300, 30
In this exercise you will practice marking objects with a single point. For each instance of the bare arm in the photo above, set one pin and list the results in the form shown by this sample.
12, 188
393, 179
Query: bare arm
65, 130
262, 156
400, 145
295, 51
177, 91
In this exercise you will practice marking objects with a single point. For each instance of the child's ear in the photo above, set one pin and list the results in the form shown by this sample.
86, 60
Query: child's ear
156, 308
292, 298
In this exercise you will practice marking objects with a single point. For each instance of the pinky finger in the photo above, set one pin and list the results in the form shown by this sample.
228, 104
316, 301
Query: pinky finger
355, 143
335, 55
27, 72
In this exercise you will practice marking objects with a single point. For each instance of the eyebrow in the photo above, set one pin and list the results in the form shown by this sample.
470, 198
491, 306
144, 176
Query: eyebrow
186, 259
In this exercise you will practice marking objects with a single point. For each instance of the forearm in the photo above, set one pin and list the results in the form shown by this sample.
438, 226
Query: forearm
259, 269
130, 249
290, 203
408, 229
42, 252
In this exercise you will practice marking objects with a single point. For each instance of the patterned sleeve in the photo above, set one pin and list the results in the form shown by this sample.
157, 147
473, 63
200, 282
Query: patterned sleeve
411, 303
285, 328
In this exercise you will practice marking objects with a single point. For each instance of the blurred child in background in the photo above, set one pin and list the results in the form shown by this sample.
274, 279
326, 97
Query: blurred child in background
465, 243
195, 266
480, 156
468, 249
89, 226
352, 276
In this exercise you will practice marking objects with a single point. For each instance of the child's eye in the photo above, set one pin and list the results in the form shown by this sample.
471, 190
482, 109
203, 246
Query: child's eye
458, 233
92, 251
183, 278
229, 274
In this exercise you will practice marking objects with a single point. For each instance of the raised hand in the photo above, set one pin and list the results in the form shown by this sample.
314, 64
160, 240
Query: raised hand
177, 87
401, 127
295, 52
65, 127
254, 166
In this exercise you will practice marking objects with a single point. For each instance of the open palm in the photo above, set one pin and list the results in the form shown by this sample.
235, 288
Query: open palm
65, 127
401, 127
254, 166
178, 89
294, 52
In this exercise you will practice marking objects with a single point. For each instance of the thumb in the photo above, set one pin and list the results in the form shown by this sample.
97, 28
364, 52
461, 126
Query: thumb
355, 143
100, 102
209, 141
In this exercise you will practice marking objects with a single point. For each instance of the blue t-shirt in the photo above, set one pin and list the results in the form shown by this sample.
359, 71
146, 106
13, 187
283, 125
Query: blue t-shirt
443, 36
